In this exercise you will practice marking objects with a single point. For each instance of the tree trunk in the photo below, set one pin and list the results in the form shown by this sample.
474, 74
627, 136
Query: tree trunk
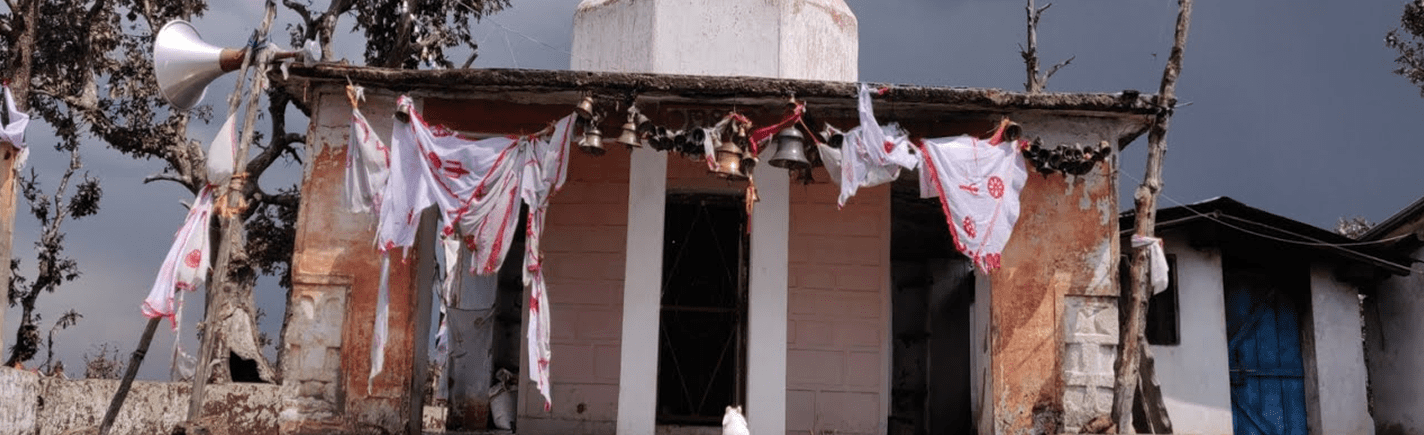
23, 25
1134, 349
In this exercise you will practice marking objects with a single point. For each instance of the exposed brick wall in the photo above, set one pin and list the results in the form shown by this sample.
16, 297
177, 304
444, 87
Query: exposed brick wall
840, 283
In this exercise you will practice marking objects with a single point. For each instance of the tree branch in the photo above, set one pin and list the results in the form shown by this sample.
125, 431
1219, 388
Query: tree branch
1055, 68
301, 10
165, 176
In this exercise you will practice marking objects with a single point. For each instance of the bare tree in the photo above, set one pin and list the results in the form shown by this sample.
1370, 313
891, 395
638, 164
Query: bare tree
53, 268
1037, 81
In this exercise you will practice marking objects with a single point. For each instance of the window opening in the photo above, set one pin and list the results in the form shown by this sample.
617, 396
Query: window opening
1163, 326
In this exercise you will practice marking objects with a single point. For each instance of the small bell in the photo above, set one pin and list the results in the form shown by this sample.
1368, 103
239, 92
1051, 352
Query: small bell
585, 107
729, 161
592, 141
630, 135
790, 150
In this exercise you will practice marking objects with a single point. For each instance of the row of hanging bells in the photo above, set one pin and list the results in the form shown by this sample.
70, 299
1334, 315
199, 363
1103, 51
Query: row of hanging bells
733, 160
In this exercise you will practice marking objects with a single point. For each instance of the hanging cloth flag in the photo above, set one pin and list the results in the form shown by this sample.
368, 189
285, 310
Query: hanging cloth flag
12, 128
1157, 259
222, 152
368, 164
978, 183
380, 334
545, 170
186, 265
477, 185
871, 154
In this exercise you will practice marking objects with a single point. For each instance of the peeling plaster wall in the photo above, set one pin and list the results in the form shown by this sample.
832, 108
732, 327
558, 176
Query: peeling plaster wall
336, 272
1054, 305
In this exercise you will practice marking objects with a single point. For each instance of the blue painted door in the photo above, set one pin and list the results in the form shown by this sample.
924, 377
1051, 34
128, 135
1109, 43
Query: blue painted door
1267, 371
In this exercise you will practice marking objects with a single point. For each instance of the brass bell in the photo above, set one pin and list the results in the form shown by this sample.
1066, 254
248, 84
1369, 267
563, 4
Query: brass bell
630, 135
790, 150
592, 141
585, 108
729, 161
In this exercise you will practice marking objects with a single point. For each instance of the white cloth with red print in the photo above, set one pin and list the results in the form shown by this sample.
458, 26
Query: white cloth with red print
978, 183
12, 133
186, 265
871, 154
477, 186
368, 162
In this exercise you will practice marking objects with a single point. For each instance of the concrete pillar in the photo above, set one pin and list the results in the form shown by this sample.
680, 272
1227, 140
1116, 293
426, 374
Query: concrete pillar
802, 39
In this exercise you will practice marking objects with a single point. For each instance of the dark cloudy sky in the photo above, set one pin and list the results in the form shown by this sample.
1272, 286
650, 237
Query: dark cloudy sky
1293, 109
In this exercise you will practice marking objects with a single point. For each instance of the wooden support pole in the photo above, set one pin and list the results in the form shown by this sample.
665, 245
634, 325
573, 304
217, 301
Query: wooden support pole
230, 223
129, 373
1133, 349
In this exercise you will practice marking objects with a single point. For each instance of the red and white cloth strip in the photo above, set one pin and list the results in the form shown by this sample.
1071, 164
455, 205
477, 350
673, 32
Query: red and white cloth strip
368, 163
186, 265
762, 134
871, 154
978, 183
477, 185
12, 133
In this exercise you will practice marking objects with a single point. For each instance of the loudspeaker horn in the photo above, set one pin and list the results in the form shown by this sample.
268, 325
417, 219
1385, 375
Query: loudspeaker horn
185, 65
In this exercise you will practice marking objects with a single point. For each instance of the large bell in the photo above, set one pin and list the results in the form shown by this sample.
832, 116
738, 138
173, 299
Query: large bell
790, 150
729, 161
592, 141
184, 64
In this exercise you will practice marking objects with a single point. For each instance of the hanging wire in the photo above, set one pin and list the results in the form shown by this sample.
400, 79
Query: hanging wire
516, 32
1213, 217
